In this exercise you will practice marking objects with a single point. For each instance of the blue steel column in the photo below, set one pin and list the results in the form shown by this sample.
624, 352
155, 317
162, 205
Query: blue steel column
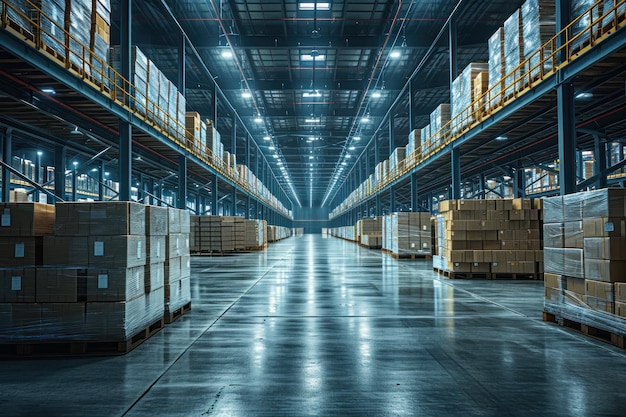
519, 184
125, 130
182, 182
7, 156
566, 113
411, 91
414, 196
182, 58
74, 182
452, 49
59, 171
481, 178
214, 197
233, 201
600, 160
455, 189
101, 181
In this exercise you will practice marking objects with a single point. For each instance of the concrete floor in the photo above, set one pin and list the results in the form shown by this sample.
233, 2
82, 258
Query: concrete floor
317, 326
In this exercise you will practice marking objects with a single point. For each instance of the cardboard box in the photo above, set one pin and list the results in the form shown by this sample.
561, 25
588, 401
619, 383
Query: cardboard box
109, 218
117, 251
72, 219
21, 251
156, 221
552, 281
479, 267
177, 244
173, 270
605, 248
599, 304
575, 285
63, 321
599, 289
573, 234
17, 285
604, 227
26, 219
65, 250
605, 270
21, 322
619, 290
115, 284
154, 276
174, 224
57, 285
620, 309
156, 250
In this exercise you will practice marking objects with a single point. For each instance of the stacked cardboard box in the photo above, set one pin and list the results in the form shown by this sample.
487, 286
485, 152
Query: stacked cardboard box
414, 142
463, 95
371, 227
78, 20
18, 14
496, 67
513, 52
138, 89
396, 157
372, 241
583, 13
538, 27
52, 24
438, 120
178, 261
489, 236
276, 233
345, 232
100, 39
407, 233
256, 234
481, 85
426, 145
620, 12
585, 254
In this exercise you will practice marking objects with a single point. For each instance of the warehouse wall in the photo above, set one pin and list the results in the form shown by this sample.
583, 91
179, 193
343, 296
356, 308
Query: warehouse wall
311, 219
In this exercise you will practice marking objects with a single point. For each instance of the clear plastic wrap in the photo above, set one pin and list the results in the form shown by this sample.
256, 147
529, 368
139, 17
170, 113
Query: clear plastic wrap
100, 218
496, 66
80, 12
19, 14
425, 140
588, 13
156, 221
607, 202
553, 235
513, 51
407, 233
177, 295
21, 251
139, 76
154, 275
438, 118
605, 270
573, 206
538, 27
52, 24
605, 248
18, 285
396, 157
413, 142
553, 209
462, 94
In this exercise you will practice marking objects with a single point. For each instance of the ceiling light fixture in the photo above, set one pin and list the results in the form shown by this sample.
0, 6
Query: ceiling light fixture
312, 93
246, 94
312, 120
271, 148
395, 54
267, 138
501, 137
351, 148
258, 119
48, 90
310, 6
313, 56
357, 138
376, 94
227, 54
583, 95
366, 118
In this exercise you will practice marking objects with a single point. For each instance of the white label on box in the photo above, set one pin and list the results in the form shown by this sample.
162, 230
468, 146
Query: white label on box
6, 218
139, 250
103, 281
187, 243
158, 251
177, 244
16, 283
98, 248
609, 227
494, 264
137, 280
412, 245
19, 250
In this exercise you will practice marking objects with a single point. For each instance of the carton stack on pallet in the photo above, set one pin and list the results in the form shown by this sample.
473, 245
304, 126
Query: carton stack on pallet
426, 145
276, 233
52, 25
22, 229
496, 68
239, 233
156, 244
538, 27
489, 239
228, 234
438, 119
396, 157
78, 21
138, 80
407, 234
414, 142
90, 290
177, 265
513, 53
100, 39
256, 234
369, 232
18, 16
585, 261
463, 95
583, 12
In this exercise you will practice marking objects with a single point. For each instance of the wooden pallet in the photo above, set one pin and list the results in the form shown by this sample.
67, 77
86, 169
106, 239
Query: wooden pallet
171, 316
411, 256
615, 339
33, 349
488, 275
218, 253
257, 248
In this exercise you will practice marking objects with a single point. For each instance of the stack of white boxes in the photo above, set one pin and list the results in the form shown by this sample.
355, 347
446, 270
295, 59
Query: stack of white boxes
538, 27
513, 53
178, 262
407, 233
496, 67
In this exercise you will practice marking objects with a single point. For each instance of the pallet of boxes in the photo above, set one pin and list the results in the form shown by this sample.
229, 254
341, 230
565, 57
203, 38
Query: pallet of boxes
407, 235
370, 233
177, 268
489, 239
585, 261
256, 235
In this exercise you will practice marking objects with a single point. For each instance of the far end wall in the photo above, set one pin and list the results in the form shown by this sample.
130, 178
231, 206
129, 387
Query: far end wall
311, 219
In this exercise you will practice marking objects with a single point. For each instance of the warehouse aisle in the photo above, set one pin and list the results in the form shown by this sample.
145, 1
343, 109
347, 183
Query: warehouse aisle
319, 326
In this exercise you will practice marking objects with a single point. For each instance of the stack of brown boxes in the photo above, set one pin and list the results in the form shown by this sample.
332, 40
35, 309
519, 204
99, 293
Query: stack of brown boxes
22, 227
407, 233
228, 234
276, 233
98, 255
256, 234
177, 264
490, 237
369, 232
585, 258
239, 233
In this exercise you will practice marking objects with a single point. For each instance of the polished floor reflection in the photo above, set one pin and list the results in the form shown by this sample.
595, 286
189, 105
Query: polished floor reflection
319, 326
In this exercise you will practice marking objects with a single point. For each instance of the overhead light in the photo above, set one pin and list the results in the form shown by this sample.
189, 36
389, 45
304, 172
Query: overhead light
583, 96
506, 178
312, 120
75, 163
48, 90
366, 118
501, 137
94, 169
280, 163
343, 163
395, 54
312, 56
312, 93
246, 94
106, 174
348, 156
376, 94
311, 157
271, 148
357, 138
75, 131
227, 54
39, 153
275, 156
258, 119
351, 148
310, 6
267, 138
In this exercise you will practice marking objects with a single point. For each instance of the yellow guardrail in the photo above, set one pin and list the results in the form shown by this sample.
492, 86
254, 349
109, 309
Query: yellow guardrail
97, 72
542, 64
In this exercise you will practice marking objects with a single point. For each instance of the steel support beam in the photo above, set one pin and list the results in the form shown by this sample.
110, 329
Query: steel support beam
600, 163
182, 58
392, 200
59, 171
182, 182
125, 160
233, 201
455, 189
414, 195
214, 195
452, 50
7, 155
566, 112
519, 184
